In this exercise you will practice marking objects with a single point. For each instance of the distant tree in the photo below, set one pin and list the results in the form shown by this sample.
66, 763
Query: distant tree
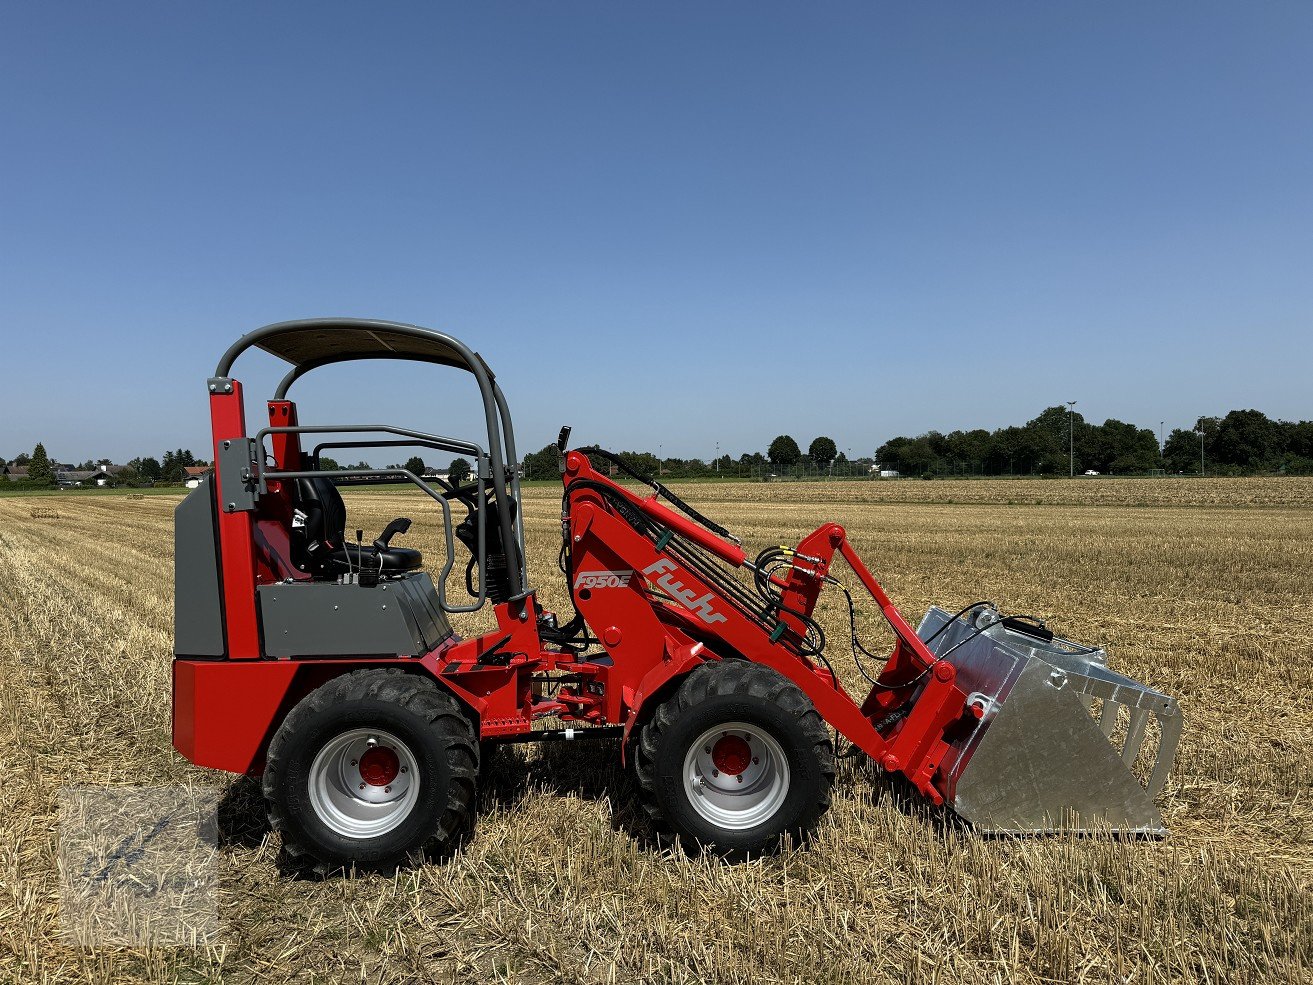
415, 465
174, 467
327, 464
541, 464
38, 467
149, 469
1248, 439
753, 463
910, 456
23, 459
1299, 439
1050, 435
1181, 451
1116, 448
784, 451
643, 462
822, 451
459, 472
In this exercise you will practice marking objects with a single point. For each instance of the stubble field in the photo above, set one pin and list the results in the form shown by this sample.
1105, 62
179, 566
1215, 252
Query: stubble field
1203, 589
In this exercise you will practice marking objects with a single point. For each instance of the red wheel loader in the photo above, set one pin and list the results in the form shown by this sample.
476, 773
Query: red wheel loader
326, 665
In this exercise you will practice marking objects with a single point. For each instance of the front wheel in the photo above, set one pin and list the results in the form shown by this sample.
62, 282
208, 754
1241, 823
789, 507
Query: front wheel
373, 769
736, 759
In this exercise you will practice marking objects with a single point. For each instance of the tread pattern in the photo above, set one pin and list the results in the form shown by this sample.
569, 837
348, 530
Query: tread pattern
444, 715
739, 678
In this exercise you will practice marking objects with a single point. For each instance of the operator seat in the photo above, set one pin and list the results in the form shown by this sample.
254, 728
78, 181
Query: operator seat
320, 545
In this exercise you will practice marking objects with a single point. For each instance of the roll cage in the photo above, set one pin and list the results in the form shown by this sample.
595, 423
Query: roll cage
245, 470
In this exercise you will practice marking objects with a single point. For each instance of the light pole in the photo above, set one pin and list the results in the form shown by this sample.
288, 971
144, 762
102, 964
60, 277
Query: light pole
1202, 471
1160, 441
717, 456
1071, 440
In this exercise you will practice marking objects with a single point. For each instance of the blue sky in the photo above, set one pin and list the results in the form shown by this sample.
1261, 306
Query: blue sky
662, 223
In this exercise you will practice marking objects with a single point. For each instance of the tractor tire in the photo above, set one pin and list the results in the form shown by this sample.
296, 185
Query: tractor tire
374, 770
736, 760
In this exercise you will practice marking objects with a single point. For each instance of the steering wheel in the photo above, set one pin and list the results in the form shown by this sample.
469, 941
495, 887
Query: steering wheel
465, 493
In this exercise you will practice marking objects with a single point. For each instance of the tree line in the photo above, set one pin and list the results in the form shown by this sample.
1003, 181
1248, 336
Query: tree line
1243, 442
171, 467
783, 457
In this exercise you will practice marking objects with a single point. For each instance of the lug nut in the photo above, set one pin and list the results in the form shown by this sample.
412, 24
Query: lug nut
755, 760
353, 762
715, 772
362, 786
739, 778
387, 789
707, 750
404, 768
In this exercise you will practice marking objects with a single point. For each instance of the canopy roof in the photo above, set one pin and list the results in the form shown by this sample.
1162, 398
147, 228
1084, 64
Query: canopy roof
319, 341
323, 342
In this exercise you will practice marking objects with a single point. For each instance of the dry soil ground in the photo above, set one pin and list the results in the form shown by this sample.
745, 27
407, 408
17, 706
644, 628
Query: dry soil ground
1201, 588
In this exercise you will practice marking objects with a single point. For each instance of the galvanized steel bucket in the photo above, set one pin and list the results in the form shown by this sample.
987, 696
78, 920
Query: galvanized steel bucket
1041, 757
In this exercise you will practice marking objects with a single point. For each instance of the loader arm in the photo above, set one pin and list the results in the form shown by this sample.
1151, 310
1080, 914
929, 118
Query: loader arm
674, 576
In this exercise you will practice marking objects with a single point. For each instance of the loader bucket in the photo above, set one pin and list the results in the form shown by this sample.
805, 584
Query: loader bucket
1041, 757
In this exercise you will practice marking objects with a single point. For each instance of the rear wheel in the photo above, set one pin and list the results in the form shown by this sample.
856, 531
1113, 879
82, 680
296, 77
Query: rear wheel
374, 769
735, 759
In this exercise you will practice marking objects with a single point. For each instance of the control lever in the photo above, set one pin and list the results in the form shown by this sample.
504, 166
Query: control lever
400, 525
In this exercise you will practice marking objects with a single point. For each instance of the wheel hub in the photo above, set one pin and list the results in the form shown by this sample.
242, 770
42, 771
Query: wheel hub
731, 754
379, 766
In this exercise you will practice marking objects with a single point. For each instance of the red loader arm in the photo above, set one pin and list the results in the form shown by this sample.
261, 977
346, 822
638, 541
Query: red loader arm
645, 576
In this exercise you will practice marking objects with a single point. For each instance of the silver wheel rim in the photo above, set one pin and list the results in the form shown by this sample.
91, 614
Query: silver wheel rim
736, 775
363, 783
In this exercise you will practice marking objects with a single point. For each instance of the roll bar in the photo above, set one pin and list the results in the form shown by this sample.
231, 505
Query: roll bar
310, 343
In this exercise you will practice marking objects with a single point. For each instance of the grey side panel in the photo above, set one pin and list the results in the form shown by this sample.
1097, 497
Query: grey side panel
197, 596
331, 620
423, 609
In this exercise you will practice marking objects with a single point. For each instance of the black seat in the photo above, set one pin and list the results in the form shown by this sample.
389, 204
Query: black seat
320, 545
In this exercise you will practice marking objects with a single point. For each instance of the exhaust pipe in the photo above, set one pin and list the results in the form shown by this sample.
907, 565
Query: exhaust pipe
1037, 759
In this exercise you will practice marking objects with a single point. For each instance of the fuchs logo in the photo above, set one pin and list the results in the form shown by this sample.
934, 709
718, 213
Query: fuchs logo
659, 572
603, 579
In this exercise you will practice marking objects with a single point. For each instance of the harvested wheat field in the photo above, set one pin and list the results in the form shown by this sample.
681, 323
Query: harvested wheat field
1203, 589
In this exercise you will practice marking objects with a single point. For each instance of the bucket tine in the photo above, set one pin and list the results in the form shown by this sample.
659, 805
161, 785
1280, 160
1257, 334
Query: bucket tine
1108, 718
1170, 722
1135, 737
